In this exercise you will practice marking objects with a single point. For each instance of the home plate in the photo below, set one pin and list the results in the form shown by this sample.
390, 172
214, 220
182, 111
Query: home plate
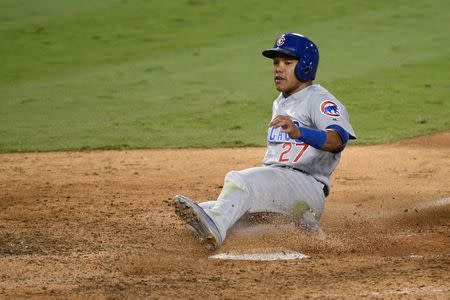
263, 256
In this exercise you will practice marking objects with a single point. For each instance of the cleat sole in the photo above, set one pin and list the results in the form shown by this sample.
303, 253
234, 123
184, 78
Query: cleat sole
194, 216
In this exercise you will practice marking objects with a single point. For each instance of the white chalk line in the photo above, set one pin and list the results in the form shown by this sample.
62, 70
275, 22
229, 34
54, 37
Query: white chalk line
407, 291
435, 203
423, 291
429, 205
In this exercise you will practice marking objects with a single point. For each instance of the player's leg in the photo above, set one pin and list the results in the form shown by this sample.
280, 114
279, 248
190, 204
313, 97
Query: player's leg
265, 189
233, 202
197, 219
207, 204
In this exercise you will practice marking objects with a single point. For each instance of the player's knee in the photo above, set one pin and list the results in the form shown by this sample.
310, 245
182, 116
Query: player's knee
234, 181
301, 206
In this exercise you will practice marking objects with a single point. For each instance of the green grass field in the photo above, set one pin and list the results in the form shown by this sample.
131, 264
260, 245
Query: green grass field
141, 74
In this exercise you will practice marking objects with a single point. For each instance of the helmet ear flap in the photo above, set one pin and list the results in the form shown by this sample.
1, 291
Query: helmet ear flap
302, 71
298, 70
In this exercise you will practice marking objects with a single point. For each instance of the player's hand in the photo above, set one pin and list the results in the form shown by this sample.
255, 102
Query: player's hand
287, 126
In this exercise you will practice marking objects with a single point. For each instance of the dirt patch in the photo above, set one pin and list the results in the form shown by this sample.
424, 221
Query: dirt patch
98, 224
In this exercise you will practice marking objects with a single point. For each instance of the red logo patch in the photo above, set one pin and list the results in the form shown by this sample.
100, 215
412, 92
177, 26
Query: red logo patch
330, 109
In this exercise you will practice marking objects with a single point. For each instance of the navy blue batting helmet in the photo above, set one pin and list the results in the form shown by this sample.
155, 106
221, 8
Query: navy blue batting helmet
299, 47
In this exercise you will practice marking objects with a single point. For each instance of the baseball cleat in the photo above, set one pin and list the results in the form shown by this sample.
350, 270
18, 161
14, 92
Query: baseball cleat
196, 218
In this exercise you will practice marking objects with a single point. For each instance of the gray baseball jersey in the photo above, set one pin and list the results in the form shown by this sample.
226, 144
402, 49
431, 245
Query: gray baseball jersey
281, 190
312, 107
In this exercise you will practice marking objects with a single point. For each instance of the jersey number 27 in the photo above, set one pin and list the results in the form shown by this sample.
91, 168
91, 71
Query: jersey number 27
287, 147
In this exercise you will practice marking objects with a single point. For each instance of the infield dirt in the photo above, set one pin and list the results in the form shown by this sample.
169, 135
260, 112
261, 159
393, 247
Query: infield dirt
98, 224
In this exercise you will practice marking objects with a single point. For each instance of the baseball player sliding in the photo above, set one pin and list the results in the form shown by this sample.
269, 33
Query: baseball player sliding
306, 135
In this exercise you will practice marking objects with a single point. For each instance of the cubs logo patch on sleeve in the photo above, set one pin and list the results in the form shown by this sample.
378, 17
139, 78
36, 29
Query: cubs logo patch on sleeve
330, 109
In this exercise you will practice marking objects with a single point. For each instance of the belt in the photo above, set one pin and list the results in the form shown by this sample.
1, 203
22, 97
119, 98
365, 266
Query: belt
326, 191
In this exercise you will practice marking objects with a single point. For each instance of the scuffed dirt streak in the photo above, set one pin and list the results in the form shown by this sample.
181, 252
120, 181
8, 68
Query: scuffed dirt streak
98, 224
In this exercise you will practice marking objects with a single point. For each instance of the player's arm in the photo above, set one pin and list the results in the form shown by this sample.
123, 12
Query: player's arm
333, 142
333, 139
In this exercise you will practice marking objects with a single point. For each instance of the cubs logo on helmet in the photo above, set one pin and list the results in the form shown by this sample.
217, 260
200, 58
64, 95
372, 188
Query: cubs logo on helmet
281, 41
330, 109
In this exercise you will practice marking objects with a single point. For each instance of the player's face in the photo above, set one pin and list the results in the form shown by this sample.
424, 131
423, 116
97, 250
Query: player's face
284, 75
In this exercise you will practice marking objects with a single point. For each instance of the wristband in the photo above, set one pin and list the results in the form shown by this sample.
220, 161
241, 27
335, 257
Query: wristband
313, 137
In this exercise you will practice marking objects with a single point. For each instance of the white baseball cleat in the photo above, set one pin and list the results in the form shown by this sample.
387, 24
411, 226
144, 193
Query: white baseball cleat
195, 217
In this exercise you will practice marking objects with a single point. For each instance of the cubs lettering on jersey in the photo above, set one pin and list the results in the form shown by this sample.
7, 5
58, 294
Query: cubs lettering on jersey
275, 135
